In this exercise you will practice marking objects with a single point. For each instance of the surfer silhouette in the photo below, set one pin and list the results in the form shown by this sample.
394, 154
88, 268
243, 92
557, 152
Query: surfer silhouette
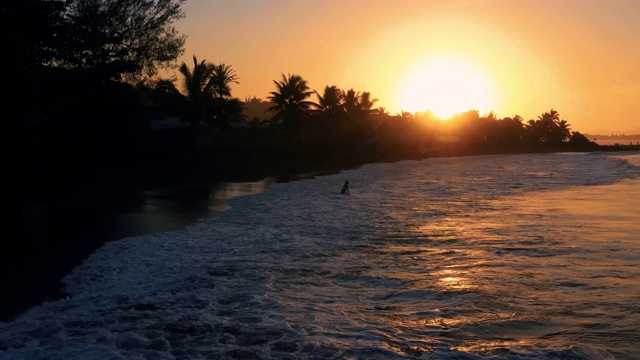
345, 188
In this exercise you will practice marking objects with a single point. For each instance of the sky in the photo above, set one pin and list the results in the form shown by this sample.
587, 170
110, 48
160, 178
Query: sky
513, 57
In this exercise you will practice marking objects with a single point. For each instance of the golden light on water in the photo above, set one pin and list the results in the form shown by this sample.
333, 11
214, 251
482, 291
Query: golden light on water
446, 86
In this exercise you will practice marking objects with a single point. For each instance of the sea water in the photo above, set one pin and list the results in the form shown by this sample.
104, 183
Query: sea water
483, 257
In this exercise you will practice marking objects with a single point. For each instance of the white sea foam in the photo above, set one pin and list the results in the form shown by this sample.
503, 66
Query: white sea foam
500, 257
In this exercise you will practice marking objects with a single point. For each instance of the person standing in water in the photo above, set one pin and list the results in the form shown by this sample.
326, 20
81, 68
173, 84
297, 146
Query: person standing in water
345, 188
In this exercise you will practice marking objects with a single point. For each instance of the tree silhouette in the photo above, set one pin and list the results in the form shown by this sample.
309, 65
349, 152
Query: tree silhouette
581, 141
34, 32
535, 131
167, 100
548, 128
366, 103
198, 84
564, 129
382, 110
123, 39
256, 108
330, 102
224, 108
405, 114
223, 75
351, 101
208, 91
334, 101
548, 122
290, 99
512, 130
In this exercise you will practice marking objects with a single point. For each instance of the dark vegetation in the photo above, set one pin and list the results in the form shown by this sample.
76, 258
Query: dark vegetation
92, 118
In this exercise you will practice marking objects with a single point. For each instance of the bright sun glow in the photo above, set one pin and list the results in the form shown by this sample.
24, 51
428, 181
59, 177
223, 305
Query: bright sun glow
446, 86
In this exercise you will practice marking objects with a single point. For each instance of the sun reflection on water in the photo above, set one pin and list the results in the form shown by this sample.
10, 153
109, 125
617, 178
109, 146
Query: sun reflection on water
483, 276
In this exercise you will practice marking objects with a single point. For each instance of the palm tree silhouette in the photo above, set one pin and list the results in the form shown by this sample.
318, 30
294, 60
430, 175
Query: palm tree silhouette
209, 92
198, 84
564, 129
330, 102
351, 101
548, 128
224, 108
290, 99
222, 76
549, 121
365, 102
227, 110
511, 130
382, 110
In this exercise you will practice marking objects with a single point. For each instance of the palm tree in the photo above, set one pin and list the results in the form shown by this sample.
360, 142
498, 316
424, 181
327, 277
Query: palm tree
222, 76
366, 103
491, 116
208, 91
351, 101
551, 128
355, 102
548, 128
224, 108
382, 110
548, 121
227, 110
512, 129
405, 114
330, 102
535, 131
290, 99
564, 129
517, 118
199, 87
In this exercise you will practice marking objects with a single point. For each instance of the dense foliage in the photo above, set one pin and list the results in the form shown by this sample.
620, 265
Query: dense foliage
69, 54
86, 83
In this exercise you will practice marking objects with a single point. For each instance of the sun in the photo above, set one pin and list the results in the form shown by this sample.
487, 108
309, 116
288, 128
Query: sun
446, 86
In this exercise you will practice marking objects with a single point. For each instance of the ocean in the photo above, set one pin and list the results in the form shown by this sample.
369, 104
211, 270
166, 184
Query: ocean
533, 256
607, 141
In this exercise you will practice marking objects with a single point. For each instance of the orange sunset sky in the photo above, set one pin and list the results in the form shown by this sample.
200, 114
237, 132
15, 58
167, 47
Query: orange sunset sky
524, 57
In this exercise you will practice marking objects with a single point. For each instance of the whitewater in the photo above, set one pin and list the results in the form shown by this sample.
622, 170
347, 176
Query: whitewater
533, 256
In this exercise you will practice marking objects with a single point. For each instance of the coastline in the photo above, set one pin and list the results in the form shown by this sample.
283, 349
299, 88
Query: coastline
61, 231
68, 229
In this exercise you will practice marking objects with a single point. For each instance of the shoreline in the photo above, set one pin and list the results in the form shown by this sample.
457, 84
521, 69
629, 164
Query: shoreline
35, 277
62, 231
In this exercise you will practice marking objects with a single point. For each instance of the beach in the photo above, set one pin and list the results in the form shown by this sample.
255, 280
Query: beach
500, 256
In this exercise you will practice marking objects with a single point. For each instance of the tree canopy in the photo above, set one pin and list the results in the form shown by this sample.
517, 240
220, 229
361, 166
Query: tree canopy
109, 39
290, 99
123, 38
65, 53
208, 90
